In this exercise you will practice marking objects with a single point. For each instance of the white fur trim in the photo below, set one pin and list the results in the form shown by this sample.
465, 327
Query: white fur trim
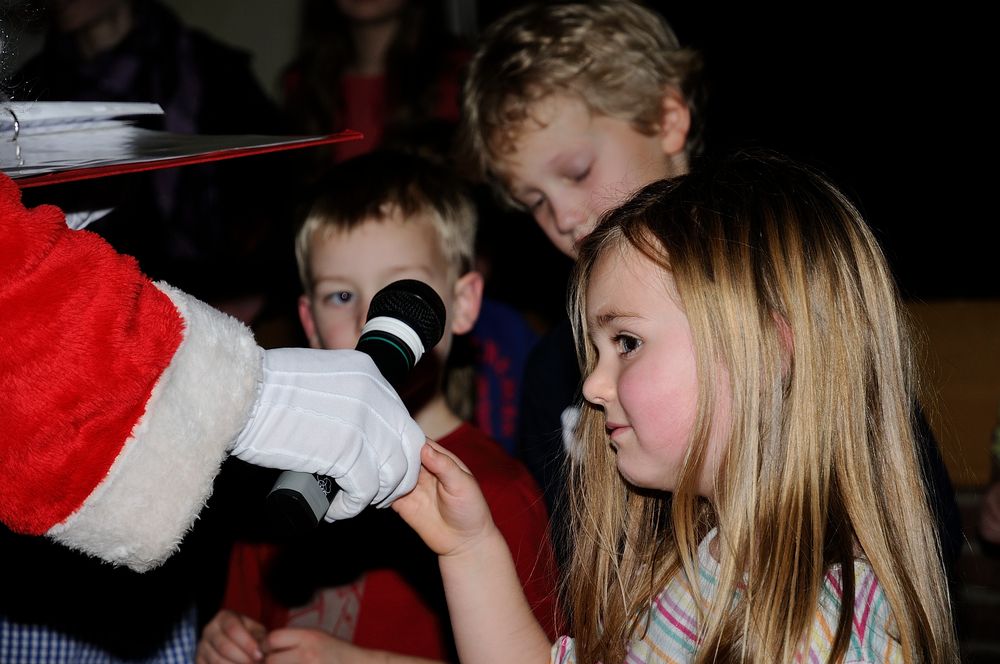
162, 477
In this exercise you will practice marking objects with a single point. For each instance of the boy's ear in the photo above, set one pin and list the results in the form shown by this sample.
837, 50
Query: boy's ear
674, 124
467, 302
308, 323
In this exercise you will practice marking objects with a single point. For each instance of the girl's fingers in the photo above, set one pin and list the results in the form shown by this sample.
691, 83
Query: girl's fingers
440, 461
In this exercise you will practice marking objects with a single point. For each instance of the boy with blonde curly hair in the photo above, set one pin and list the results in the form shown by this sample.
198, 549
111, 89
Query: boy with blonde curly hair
567, 109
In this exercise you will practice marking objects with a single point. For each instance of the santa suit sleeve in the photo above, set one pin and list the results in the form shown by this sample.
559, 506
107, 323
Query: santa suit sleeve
120, 396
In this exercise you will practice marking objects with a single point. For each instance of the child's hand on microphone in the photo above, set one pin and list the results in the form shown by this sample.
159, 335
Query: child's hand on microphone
446, 508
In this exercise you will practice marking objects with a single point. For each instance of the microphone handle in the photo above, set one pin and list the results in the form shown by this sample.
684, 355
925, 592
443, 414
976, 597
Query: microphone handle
298, 501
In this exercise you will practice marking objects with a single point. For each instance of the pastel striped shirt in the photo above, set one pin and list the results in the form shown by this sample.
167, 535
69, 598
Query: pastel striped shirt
672, 636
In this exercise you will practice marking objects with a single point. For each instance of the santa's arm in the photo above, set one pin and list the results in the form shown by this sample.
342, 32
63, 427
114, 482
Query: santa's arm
122, 397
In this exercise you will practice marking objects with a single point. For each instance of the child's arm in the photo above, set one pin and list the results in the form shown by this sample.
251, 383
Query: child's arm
490, 617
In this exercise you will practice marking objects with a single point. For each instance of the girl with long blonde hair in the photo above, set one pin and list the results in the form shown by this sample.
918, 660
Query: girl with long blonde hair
746, 486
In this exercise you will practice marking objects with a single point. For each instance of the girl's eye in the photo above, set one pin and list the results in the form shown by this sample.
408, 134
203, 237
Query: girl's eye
582, 175
626, 344
340, 298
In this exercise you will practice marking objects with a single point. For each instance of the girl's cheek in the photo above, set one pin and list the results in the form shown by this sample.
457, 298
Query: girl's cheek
644, 397
627, 393
660, 401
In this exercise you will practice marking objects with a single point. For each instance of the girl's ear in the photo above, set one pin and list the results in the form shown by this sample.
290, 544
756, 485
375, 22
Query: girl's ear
308, 323
468, 298
675, 123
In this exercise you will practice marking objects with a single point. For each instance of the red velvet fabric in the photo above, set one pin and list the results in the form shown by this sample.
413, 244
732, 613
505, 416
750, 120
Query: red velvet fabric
84, 338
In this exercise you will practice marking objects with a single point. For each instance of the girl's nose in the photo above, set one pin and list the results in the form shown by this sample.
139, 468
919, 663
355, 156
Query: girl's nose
598, 388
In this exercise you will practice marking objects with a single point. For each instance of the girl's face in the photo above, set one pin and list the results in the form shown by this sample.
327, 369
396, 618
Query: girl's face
645, 379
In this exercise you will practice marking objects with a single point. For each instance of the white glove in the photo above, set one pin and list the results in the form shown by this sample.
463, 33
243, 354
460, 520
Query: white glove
331, 412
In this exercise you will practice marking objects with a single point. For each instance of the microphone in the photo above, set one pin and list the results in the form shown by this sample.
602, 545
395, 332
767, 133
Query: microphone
405, 320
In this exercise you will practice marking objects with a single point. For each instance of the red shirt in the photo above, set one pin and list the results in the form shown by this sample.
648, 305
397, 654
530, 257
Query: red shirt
367, 103
364, 111
371, 581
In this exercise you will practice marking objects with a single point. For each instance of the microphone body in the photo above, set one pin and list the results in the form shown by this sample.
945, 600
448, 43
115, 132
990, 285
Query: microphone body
405, 320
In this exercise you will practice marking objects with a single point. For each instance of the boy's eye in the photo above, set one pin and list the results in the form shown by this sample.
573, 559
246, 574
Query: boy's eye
339, 298
626, 344
582, 175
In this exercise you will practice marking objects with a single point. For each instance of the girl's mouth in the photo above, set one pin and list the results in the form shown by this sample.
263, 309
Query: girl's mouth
615, 430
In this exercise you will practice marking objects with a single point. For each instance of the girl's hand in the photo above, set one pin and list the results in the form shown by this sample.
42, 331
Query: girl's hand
230, 638
446, 508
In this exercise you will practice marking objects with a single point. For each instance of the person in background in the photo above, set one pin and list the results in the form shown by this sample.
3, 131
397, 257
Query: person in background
387, 68
199, 230
375, 219
390, 69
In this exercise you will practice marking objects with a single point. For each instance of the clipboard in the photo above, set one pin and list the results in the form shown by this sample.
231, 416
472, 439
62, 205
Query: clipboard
45, 143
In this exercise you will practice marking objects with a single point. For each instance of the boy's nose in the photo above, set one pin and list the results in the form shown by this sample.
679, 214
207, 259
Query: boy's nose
569, 214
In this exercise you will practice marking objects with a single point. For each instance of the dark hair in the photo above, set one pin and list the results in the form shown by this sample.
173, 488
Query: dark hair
421, 51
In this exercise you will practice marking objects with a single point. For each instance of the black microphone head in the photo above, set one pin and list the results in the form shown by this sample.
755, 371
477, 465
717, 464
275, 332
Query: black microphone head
414, 303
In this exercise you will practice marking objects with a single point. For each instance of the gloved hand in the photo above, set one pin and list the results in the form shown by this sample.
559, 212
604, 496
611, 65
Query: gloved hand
331, 412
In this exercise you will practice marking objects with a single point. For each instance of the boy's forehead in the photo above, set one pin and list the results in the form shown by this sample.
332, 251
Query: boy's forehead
390, 219
560, 110
390, 232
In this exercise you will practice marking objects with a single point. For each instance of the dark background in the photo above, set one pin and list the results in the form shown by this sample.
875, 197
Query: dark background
895, 105
892, 106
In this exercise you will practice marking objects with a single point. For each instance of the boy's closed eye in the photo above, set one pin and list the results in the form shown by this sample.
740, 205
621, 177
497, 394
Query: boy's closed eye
581, 175
530, 202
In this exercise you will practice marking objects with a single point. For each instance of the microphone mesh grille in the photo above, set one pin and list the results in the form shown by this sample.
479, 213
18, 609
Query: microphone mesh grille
414, 303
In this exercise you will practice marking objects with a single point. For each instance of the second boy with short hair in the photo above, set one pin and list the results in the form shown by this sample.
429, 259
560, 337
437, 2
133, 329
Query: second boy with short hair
379, 218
